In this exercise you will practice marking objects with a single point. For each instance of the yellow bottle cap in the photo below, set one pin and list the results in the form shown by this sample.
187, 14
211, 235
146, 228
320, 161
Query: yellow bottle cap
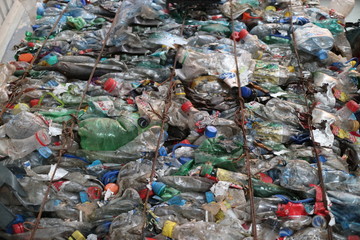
77, 236
353, 63
291, 68
270, 8
287, 14
168, 228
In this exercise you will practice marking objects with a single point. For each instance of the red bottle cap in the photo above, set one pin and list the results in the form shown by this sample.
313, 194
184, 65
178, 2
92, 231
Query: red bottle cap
187, 106
112, 187
143, 193
352, 105
34, 102
130, 101
18, 228
265, 178
31, 44
26, 57
353, 237
185, 141
94, 192
242, 34
110, 85
235, 36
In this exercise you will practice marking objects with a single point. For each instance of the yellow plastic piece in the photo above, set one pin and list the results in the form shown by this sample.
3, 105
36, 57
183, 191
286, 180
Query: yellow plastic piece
168, 228
77, 235
270, 8
291, 68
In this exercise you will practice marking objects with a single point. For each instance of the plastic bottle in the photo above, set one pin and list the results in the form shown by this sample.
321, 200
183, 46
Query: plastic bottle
201, 230
314, 40
23, 125
249, 42
345, 112
180, 95
194, 115
116, 87
18, 148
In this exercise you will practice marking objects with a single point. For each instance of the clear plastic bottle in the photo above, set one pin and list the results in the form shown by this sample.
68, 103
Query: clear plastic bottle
250, 42
202, 230
18, 148
180, 95
345, 112
314, 40
194, 115
23, 125
116, 87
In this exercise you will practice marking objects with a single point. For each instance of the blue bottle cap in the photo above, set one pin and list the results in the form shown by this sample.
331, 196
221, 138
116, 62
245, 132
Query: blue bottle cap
158, 187
162, 151
210, 131
45, 152
83, 197
322, 54
184, 160
246, 92
286, 232
319, 221
210, 197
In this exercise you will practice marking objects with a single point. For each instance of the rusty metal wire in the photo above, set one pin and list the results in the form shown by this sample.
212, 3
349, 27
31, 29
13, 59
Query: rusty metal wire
307, 87
240, 120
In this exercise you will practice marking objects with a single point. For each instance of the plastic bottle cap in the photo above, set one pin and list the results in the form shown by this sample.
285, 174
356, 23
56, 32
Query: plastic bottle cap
286, 232
143, 121
77, 235
352, 106
158, 187
42, 137
186, 106
319, 221
270, 8
84, 197
210, 131
185, 141
243, 33
112, 187
210, 197
34, 102
45, 152
18, 228
322, 54
353, 237
52, 60
26, 57
31, 44
168, 228
110, 85
246, 92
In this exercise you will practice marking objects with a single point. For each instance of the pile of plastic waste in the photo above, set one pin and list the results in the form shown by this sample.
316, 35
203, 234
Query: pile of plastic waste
186, 120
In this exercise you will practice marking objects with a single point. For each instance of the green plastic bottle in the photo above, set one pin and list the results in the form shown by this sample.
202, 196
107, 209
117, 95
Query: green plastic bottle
105, 134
